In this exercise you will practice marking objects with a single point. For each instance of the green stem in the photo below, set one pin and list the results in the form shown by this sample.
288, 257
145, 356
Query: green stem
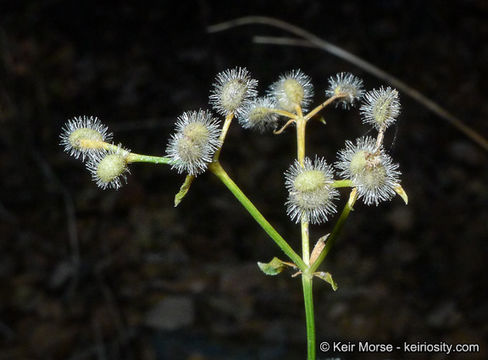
223, 134
321, 106
309, 315
148, 159
342, 183
305, 242
336, 231
217, 169
307, 276
301, 126
284, 113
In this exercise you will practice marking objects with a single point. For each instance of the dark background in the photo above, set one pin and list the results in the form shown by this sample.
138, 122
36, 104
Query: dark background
92, 274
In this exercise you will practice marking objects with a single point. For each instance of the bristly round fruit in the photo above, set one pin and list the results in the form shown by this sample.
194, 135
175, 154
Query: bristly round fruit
291, 90
380, 107
231, 90
89, 129
109, 167
257, 114
193, 144
370, 169
348, 85
310, 194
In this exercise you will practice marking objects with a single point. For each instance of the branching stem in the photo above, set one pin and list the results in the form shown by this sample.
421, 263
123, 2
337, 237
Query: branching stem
223, 134
288, 123
336, 231
132, 158
307, 277
323, 105
284, 113
217, 169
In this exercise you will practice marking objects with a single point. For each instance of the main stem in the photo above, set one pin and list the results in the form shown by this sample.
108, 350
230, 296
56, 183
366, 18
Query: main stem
307, 276
301, 124
309, 314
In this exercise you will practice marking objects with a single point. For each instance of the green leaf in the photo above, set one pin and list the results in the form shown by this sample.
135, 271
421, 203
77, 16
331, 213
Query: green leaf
327, 277
274, 267
184, 189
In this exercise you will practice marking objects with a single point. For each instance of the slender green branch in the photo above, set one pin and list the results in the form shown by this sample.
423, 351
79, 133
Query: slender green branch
342, 183
132, 158
288, 123
301, 126
223, 134
336, 231
217, 169
323, 105
305, 242
284, 113
309, 315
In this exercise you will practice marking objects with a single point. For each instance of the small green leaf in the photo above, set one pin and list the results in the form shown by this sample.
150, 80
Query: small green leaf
327, 277
184, 189
322, 120
274, 267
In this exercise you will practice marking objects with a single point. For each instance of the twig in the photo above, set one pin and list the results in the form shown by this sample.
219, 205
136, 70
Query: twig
273, 40
353, 59
289, 122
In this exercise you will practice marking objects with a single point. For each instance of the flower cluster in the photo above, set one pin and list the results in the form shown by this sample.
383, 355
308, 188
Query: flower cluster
258, 114
192, 145
292, 89
371, 170
366, 163
232, 89
198, 135
381, 107
88, 138
310, 191
109, 168
82, 131
347, 87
